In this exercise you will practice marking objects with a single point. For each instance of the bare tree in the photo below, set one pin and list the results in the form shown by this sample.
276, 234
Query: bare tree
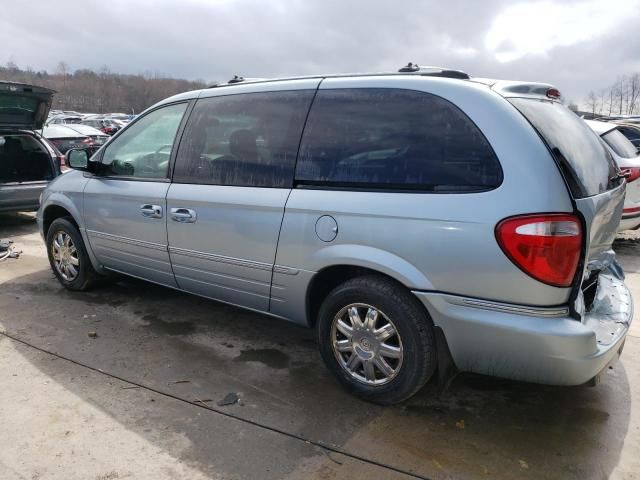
634, 93
100, 92
592, 102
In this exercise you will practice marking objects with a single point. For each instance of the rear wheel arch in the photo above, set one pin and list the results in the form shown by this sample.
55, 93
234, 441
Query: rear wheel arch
325, 280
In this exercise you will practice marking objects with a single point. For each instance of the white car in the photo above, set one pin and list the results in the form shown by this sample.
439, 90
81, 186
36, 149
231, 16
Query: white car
626, 156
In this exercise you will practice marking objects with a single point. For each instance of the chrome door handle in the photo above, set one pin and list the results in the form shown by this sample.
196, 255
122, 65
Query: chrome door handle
183, 215
151, 211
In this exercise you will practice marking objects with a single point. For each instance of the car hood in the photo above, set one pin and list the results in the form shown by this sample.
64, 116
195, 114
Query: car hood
24, 106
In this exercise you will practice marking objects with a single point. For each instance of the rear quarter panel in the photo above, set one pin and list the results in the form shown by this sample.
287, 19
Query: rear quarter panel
429, 241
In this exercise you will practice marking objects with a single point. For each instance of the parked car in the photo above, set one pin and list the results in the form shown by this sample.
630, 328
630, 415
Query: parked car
631, 131
417, 220
98, 138
27, 162
626, 157
63, 120
66, 138
105, 125
120, 117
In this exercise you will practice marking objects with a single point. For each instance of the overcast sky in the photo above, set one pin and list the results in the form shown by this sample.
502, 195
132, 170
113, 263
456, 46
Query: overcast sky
576, 45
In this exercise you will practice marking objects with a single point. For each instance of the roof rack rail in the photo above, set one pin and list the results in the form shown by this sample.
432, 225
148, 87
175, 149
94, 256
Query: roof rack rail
236, 79
433, 71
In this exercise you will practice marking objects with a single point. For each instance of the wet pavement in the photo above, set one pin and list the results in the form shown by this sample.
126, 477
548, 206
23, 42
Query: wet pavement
141, 399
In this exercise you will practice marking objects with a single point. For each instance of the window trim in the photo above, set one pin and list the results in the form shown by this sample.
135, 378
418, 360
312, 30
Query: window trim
391, 188
174, 150
382, 188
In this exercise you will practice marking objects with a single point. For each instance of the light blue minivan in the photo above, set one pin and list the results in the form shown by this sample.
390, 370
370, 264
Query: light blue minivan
422, 221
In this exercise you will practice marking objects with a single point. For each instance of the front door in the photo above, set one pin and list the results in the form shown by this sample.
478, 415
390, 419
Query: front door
125, 206
234, 172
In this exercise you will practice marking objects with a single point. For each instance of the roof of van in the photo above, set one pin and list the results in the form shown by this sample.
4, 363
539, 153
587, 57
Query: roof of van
506, 88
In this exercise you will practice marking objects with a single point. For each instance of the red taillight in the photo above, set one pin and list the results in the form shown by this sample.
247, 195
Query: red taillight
88, 141
63, 163
631, 174
553, 93
630, 210
546, 247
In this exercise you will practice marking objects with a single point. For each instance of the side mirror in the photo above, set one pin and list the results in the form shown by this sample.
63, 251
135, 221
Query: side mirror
77, 158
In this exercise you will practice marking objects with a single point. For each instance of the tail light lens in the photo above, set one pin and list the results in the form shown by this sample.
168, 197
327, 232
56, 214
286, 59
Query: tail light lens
63, 163
88, 141
546, 247
631, 174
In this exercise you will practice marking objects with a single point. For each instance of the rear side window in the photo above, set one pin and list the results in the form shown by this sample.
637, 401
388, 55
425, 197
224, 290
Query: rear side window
393, 138
633, 134
585, 163
243, 140
620, 144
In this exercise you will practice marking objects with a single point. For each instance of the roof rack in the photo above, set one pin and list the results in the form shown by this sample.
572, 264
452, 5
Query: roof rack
433, 71
236, 79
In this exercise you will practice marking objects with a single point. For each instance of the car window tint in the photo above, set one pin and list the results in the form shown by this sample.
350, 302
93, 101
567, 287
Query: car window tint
587, 166
392, 138
144, 149
244, 140
633, 134
620, 144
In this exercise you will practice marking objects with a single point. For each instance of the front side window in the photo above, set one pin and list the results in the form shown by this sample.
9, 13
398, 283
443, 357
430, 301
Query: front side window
392, 138
243, 140
144, 149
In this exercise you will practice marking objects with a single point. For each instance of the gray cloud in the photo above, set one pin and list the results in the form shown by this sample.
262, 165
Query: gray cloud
213, 39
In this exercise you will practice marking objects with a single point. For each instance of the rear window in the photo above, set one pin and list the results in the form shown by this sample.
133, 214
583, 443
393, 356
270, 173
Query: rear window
585, 163
620, 144
17, 109
394, 139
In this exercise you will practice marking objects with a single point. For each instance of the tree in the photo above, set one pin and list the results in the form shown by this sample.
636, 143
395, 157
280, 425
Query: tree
593, 103
89, 91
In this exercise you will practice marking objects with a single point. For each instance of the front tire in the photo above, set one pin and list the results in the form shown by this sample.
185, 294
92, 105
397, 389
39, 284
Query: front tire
377, 339
68, 256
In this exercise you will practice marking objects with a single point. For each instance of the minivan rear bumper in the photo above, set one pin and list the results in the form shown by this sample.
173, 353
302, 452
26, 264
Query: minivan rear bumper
534, 344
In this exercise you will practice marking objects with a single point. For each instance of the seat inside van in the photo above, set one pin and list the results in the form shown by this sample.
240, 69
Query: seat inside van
23, 159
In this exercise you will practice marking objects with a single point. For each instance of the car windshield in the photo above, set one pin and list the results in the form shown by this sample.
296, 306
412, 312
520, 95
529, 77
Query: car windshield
585, 163
620, 144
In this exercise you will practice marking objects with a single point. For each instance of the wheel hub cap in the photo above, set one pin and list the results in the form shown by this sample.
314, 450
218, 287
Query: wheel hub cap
366, 344
65, 256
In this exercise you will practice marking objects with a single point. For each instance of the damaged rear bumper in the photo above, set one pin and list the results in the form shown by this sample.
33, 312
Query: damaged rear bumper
541, 345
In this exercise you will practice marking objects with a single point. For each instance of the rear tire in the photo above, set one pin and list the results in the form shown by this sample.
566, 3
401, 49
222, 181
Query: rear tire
377, 339
68, 256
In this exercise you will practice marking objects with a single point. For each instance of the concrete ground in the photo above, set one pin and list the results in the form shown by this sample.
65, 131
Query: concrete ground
139, 400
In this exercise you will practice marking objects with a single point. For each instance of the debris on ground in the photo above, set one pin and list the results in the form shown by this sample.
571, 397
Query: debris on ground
460, 424
93, 334
7, 250
181, 381
229, 399
524, 465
